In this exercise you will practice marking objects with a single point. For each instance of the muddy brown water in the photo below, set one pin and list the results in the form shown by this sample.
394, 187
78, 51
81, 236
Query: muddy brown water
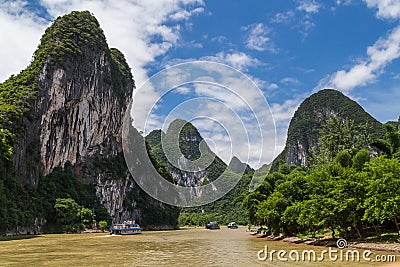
186, 247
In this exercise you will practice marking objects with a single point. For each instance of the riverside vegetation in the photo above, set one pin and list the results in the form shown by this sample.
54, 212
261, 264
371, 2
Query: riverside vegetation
343, 189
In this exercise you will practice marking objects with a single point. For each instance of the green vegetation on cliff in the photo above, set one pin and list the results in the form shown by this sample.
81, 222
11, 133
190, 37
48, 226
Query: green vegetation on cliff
303, 132
19, 206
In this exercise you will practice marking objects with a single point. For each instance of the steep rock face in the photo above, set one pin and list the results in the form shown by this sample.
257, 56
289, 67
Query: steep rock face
82, 113
79, 90
83, 88
113, 194
303, 132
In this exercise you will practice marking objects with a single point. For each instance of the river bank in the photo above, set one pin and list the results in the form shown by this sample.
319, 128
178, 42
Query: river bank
329, 242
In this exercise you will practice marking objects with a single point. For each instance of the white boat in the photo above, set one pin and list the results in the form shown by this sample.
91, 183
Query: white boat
125, 228
233, 225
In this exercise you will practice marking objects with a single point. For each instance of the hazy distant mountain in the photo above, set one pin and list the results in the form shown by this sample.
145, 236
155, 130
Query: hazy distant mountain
239, 167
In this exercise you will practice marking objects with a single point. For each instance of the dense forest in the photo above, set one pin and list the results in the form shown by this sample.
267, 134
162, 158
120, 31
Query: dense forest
351, 188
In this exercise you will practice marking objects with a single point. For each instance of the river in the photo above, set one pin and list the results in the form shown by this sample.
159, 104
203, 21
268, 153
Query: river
186, 247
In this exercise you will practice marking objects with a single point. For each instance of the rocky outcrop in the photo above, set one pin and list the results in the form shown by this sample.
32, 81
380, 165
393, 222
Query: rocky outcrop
83, 89
303, 132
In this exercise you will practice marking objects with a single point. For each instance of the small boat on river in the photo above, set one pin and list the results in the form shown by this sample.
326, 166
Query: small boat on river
232, 225
125, 228
212, 226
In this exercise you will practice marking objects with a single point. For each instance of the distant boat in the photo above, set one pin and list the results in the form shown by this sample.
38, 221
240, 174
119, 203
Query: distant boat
212, 226
125, 228
233, 225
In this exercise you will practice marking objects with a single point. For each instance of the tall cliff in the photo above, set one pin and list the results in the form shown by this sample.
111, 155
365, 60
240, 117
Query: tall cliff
190, 142
81, 88
303, 132
67, 108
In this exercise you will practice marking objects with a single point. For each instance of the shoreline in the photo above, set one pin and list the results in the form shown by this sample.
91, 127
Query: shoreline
329, 242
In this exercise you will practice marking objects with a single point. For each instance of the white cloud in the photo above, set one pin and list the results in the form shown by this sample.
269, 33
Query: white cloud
220, 39
290, 80
220, 94
142, 30
272, 86
387, 9
20, 33
343, 2
383, 52
237, 60
283, 17
257, 38
183, 90
309, 6
185, 14
283, 113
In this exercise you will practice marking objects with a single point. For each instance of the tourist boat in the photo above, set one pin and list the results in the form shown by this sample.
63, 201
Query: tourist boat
212, 226
125, 228
233, 225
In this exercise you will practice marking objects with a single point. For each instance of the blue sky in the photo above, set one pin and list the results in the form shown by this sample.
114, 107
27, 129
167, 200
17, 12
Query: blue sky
289, 48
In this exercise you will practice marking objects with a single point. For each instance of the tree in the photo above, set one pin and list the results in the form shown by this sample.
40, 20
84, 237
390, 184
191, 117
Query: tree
359, 160
250, 202
73, 216
86, 216
270, 211
383, 191
338, 135
343, 158
67, 212
390, 143
103, 225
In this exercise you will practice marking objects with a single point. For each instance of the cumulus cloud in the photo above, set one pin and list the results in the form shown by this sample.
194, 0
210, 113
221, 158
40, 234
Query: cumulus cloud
237, 60
383, 52
185, 14
20, 33
387, 9
142, 30
220, 94
257, 38
308, 6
